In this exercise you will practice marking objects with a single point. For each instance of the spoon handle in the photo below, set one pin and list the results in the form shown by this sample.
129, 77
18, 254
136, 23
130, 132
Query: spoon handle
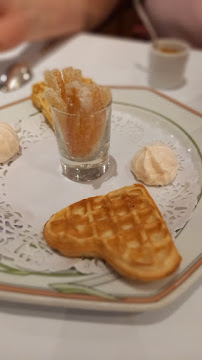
145, 19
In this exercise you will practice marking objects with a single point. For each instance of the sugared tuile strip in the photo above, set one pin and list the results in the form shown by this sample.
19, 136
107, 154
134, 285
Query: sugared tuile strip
106, 95
82, 100
54, 99
70, 75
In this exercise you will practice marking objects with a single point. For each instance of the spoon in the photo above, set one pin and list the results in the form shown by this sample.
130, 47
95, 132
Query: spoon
20, 73
146, 20
16, 76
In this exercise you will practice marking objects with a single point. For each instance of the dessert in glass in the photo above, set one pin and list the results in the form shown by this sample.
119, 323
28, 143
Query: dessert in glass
81, 113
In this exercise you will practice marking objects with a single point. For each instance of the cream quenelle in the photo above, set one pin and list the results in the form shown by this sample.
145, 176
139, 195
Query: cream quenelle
9, 142
155, 164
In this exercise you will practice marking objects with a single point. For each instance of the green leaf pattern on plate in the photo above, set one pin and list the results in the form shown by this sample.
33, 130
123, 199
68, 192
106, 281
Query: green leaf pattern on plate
73, 288
16, 271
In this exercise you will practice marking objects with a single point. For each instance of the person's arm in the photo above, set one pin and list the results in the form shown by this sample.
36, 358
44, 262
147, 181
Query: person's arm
177, 18
99, 10
22, 20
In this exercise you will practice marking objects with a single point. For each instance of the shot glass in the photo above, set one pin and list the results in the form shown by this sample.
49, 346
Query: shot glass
167, 63
83, 142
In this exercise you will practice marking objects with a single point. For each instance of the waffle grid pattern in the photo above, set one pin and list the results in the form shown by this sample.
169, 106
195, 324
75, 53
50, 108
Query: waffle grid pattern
124, 227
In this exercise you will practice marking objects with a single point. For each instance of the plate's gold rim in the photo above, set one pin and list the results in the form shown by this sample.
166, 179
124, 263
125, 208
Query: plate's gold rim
132, 300
174, 101
19, 289
125, 87
15, 102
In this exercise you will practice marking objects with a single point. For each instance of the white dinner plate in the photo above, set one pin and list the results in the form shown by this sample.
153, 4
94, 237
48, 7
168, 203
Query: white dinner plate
32, 189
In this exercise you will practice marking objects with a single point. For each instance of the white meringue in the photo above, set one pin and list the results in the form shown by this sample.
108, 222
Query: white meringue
155, 164
9, 142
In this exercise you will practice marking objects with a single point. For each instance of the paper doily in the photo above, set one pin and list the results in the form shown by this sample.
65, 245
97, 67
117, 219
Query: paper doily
22, 243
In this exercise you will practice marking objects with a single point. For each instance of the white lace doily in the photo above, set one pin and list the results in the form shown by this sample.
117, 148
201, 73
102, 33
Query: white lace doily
32, 178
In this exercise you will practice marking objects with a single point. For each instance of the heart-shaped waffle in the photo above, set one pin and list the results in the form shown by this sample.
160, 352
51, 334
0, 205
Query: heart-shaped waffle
125, 228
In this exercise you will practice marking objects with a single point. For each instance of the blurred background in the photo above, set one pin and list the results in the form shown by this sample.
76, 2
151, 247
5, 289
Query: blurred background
124, 22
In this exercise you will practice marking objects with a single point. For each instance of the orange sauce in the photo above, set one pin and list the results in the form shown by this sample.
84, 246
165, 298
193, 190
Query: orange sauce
168, 50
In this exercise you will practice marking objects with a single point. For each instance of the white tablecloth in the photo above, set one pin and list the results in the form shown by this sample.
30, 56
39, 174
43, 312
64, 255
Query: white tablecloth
174, 332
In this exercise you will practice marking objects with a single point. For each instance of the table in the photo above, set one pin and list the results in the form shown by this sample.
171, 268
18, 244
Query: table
173, 332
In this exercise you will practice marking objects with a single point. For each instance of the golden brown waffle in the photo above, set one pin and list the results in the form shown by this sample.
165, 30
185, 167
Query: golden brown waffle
124, 227
39, 101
